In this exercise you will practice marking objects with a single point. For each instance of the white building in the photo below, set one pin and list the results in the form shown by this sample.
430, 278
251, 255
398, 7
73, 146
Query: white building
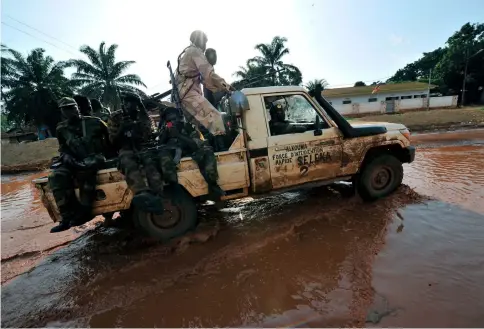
390, 98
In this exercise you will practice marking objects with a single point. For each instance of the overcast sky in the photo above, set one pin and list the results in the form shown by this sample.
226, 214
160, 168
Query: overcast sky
341, 41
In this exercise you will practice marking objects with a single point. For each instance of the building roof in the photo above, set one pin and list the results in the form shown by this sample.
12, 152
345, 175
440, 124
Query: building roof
386, 88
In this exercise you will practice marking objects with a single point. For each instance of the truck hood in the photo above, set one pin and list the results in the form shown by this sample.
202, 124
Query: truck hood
388, 125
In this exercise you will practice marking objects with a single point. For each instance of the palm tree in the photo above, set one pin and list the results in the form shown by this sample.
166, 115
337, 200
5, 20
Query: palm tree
311, 85
251, 76
102, 77
33, 85
271, 60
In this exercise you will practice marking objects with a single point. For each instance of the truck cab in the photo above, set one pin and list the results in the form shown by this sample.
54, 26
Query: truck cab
323, 148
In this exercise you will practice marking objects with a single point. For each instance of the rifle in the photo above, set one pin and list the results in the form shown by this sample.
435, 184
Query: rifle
175, 96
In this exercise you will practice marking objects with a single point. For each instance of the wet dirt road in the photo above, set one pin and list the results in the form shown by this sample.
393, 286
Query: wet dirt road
309, 258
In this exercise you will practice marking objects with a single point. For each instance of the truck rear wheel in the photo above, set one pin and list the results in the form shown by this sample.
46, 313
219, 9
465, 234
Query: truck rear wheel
379, 177
179, 217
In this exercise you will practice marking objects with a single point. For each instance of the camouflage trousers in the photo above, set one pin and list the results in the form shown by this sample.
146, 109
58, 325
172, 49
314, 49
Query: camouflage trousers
202, 112
61, 181
130, 165
203, 156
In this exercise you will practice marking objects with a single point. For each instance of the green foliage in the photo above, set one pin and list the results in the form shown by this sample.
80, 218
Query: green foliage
359, 84
103, 78
448, 64
31, 85
268, 69
311, 85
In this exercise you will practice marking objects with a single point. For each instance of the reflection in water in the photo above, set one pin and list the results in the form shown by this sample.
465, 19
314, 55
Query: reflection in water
20, 200
450, 173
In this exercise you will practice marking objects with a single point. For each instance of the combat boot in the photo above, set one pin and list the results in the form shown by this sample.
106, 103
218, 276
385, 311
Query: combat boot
215, 193
65, 222
64, 225
219, 143
148, 202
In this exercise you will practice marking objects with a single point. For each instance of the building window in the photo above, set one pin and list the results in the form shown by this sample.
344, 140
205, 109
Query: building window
373, 99
420, 96
406, 97
394, 98
347, 101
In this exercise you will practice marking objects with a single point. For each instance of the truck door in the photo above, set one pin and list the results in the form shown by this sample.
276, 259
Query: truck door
298, 154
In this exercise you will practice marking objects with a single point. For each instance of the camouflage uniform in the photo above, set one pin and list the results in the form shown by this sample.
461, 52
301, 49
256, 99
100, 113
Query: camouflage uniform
192, 68
81, 146
99, 111
131, 143
183, 139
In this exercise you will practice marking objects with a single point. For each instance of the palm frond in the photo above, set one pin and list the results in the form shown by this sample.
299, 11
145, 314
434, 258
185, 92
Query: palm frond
130, 78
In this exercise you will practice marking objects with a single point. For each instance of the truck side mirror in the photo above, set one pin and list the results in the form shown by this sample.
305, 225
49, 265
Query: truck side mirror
317, 127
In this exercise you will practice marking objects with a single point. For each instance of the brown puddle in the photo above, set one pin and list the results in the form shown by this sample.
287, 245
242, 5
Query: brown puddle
305, 258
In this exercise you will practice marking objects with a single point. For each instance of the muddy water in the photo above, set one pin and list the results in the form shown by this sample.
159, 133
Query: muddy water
315, 257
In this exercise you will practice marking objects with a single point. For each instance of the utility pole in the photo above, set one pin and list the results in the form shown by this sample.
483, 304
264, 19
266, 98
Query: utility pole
465, 77
428, 91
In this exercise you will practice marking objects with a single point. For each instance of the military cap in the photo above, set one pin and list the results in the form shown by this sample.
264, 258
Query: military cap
66, 101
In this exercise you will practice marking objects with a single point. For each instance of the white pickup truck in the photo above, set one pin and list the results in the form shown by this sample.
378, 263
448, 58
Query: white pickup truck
259, 161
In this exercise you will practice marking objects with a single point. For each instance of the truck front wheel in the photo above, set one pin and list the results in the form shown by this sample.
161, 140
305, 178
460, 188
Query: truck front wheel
379, 177
179, 217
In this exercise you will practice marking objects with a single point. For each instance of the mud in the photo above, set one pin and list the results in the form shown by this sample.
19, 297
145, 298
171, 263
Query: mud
315, 257
32, 156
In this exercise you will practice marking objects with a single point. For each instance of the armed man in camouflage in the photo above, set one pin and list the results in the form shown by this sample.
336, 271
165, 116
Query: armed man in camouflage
98, 110
131, 130
84, 105
183, 139
82, 142
193, 68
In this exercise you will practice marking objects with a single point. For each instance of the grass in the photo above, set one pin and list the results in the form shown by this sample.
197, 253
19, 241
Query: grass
421, 120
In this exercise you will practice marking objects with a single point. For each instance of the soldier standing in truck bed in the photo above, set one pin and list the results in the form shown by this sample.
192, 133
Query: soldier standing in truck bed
193, 68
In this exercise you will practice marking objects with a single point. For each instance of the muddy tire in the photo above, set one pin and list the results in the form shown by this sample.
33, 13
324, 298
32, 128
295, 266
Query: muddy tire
179, 217
379, 177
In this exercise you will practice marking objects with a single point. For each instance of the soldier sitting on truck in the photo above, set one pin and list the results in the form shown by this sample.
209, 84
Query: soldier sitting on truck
178, 139
131, 130
98, 110
82, 142
278, 123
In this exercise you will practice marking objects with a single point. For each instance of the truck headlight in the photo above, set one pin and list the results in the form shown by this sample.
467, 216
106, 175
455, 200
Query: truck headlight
405, 132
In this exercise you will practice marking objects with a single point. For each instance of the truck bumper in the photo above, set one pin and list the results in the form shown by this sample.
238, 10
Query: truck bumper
409, 154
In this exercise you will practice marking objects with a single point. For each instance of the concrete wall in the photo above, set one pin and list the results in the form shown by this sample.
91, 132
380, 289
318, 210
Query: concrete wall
445, 101
379, 97
400, 105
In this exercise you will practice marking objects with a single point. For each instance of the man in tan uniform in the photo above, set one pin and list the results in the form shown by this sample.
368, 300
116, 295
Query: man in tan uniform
193, 69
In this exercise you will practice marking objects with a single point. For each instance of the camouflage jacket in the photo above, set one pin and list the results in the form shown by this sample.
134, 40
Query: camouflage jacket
87, 137
104, 116
139, 133
194, 64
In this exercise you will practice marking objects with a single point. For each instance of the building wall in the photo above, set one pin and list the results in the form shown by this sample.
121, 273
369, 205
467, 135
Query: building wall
360, 104
360, 99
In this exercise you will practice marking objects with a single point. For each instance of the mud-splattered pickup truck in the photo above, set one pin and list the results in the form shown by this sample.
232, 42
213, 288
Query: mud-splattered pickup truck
259, 161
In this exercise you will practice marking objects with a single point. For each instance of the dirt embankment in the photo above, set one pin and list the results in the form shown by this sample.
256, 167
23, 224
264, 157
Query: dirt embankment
28, 156
447, 119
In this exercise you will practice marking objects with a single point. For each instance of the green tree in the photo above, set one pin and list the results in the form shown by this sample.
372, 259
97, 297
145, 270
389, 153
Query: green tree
359, 84
251, 76
102, 77
311, 85
33, 84
448, 64
465, 46
270, 60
